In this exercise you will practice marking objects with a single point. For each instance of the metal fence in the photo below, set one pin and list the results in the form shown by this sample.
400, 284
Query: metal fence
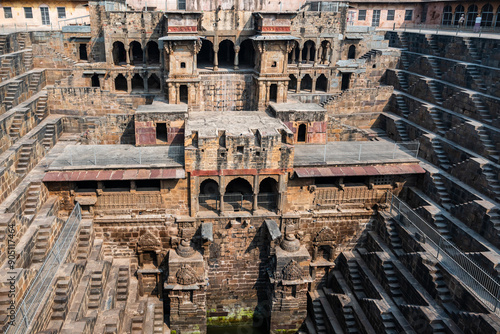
33, 298
238, 202
436, 28
477, 281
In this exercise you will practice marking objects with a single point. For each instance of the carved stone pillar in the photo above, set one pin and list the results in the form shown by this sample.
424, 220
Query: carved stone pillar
127, 54
268, 91
216, 59
177, 94
221, 194
308, 54
236, 57
300, 55
129, 84
145, 80
299, 80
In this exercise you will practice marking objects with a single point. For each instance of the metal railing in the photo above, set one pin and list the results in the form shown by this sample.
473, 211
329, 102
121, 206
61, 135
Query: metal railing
474, 278
267, 201
238, 202
446, 28
209, 202
79, 20
33, 298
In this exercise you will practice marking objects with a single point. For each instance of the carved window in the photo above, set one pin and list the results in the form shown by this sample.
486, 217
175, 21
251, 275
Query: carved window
28, 12
7, 12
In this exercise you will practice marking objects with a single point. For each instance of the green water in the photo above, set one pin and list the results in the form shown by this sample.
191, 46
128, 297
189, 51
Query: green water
244, 329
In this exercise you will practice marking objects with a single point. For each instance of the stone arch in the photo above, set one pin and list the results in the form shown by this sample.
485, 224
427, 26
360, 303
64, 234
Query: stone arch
309, 51
153, 53
487, 15
209, 186
323, 244
325, 50
471, 15
119, 53
206, 54
239, 186
268, 185
459, 10
154, 83
292, 84
306, 83
351, 53
302, 133
247, 53
136, 55
447, 15
293, 56
226, 52
137, 82
322, 83
121, 83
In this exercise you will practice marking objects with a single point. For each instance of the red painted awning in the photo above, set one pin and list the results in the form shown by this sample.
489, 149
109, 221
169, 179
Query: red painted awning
359, 171
114, 175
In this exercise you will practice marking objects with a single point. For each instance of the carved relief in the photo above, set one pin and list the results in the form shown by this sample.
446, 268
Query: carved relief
326, 234
186, 275
149, 242
292, 271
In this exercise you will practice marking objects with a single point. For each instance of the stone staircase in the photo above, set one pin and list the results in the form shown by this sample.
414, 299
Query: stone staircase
28, 60
432, 43
400, 126
15, 128
24, 160
83, 243
436, 118
350, 320
442, 191
370, 54
35, 80
442, 227
137, 325
96, 286
48, 140
41, 243
5, 67
22, 37
402, 106
60, 305
476, 76
404, 60
489, 147
392, 282
41, 107
472, 50
442, 292
435, 67
317, 314
355, 279
443, 160
122, 285
389, 323
435, 92
158, 319
11, 95
32, 198
3, 41
482, 109
402, 40
395, 240
403, 83
493, 182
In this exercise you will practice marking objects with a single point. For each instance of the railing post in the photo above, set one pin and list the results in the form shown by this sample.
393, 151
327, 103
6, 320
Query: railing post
95, 156
359, 157
394, 151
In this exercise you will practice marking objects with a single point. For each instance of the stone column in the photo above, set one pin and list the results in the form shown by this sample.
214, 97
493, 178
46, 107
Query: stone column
299, 79
330, 56
313, 88
236, 57
221, 194
144, 59
141, 284
300, 55
285, 92
279, 98
195, 61
308, 54
129, 84
216, 59
293, 55
262, 96
317, 56
281, 192
268, 90
255, 192
178, 94
127, 54
145, 79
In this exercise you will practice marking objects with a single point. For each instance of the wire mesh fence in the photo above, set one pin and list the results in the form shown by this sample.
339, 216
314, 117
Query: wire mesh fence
33, 298
477, 281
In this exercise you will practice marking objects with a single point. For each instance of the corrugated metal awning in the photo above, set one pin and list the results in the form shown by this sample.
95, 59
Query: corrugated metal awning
359, 171
114, 175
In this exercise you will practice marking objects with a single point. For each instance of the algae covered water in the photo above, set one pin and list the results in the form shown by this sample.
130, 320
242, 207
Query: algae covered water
235, 330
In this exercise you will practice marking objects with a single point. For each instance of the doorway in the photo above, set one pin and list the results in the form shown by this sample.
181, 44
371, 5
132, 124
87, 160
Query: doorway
346, 80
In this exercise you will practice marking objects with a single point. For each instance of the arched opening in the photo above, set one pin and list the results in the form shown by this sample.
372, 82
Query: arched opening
154, 83
458, 13
301, 133
209, 195
447, 15
273, 93
292, 84
153, 52
471, 15
226, 53
324, 253
321, 83
95, 81
183, 94
137, 83
309, 51
206, 54
83, 52
497, 22
119, 53
247, 54
325, 50
135, 53
239, 195
293, 56
351, 54
306, 83
487, 15
268, 194
121, 83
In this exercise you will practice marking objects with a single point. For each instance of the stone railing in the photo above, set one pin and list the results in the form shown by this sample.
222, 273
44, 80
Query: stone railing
123, 200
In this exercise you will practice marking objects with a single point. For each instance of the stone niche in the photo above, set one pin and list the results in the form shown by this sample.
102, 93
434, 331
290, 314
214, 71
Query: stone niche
160, 124
307, 121
288, 286
185, 289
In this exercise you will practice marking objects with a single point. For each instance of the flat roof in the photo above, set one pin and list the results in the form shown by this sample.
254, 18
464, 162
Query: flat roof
296, 106
161, 106
355, 153
234, 123
121, 156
